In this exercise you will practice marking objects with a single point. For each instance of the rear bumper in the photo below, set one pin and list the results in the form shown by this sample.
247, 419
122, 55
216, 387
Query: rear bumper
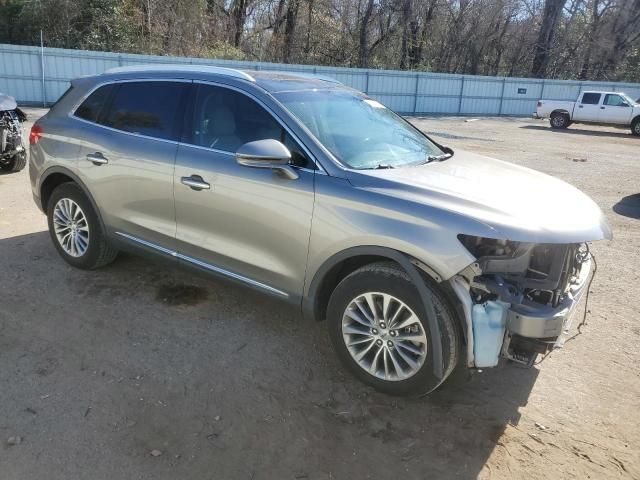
535, 115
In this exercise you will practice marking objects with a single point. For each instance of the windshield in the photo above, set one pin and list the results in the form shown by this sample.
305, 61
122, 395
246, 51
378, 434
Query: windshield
358, 131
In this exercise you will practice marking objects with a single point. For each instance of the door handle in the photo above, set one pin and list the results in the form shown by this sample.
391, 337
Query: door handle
579, 106
601, 108
195, 182
97, 158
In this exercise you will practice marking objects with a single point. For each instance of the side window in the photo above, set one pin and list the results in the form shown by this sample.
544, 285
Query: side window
224, 119
590, 99
614, 101
92, 106
147, 108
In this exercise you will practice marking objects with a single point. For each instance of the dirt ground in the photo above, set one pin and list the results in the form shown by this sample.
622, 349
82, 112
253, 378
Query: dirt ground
100, 369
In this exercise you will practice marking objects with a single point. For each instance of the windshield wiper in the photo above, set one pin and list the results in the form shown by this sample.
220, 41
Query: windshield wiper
383, 166
439, 158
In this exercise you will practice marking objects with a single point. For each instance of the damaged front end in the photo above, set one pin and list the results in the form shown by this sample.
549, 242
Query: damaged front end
518, 298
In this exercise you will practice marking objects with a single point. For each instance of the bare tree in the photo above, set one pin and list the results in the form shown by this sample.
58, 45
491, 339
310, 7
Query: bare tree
542, 52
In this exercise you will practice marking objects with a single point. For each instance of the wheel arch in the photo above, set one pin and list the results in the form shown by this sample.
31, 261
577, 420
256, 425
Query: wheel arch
560, 111
341, 264
55, 176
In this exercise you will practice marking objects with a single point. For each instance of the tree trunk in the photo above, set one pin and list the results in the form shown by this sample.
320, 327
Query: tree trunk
363, 46
290, 28
307, 45
406, 45
238, 16
550, 18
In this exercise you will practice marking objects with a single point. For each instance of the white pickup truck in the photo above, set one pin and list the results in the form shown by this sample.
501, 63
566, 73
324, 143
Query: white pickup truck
608, 108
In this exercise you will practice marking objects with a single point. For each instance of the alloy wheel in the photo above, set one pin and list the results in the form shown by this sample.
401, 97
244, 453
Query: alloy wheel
71, 227
384, 336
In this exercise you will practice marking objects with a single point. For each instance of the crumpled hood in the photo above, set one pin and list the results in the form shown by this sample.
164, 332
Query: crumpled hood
7, 102
520, 203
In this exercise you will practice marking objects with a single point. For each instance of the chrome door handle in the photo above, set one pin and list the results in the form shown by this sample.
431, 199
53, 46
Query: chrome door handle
195, 182
97, 158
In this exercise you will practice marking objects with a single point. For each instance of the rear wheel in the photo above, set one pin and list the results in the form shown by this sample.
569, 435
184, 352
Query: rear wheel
635, 127
559, 120
17, 163
75, 229
379, 328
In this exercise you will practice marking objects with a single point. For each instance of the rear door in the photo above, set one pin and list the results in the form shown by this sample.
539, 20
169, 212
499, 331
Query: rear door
588, 107
248, 224
615, 109
127, 155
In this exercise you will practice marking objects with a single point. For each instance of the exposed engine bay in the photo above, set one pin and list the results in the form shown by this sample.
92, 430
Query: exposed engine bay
522, 296
11, 139
10, 134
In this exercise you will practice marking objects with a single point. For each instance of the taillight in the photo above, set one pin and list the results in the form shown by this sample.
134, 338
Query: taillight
35, 134
539, 103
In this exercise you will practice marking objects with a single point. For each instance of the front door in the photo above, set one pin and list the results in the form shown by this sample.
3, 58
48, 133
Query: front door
249, 224
615, 109
127, 156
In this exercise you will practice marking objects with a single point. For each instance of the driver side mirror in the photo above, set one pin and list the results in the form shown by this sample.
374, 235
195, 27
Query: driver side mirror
269, 154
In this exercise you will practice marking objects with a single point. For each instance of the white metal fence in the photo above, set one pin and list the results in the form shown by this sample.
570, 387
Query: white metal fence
36, 76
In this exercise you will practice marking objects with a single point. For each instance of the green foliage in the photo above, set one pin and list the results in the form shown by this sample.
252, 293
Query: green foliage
223, 50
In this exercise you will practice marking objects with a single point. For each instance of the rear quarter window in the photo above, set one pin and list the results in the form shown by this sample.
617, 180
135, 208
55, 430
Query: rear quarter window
93, 105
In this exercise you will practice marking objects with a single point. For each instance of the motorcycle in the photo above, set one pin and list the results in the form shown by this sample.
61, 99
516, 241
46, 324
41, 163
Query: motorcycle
13, 154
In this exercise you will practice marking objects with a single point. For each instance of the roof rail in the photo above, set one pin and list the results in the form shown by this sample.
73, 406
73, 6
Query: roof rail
176, 67
313, 76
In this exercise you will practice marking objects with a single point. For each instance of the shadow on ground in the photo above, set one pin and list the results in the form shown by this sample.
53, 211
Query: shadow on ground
579, 131
224, 381
629, 206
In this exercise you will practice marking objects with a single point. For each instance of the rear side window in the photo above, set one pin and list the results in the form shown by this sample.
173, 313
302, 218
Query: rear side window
146, 108
590, 99
92, 106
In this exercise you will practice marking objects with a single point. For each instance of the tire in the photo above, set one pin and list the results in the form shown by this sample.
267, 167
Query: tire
559, 120
388, 279
97, 252
635, 127
17, 163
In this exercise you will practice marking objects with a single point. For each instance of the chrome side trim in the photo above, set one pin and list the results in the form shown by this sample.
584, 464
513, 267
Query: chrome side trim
173, 253
229, 274
205, 265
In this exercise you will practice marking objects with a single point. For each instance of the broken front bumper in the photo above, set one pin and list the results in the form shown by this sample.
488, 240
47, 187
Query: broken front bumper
532, 320
528, 328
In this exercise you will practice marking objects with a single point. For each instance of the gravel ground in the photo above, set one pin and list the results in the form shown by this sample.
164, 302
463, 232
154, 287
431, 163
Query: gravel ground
145, 371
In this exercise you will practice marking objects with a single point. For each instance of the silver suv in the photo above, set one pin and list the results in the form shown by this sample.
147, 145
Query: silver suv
418, 258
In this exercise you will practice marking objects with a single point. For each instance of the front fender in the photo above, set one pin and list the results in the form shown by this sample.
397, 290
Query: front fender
405, 262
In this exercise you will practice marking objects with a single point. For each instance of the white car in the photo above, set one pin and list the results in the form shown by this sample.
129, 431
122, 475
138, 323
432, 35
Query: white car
608, 108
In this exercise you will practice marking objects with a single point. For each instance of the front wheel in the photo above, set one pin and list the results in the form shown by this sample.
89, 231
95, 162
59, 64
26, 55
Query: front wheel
16, 163
635, 127
379, 329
